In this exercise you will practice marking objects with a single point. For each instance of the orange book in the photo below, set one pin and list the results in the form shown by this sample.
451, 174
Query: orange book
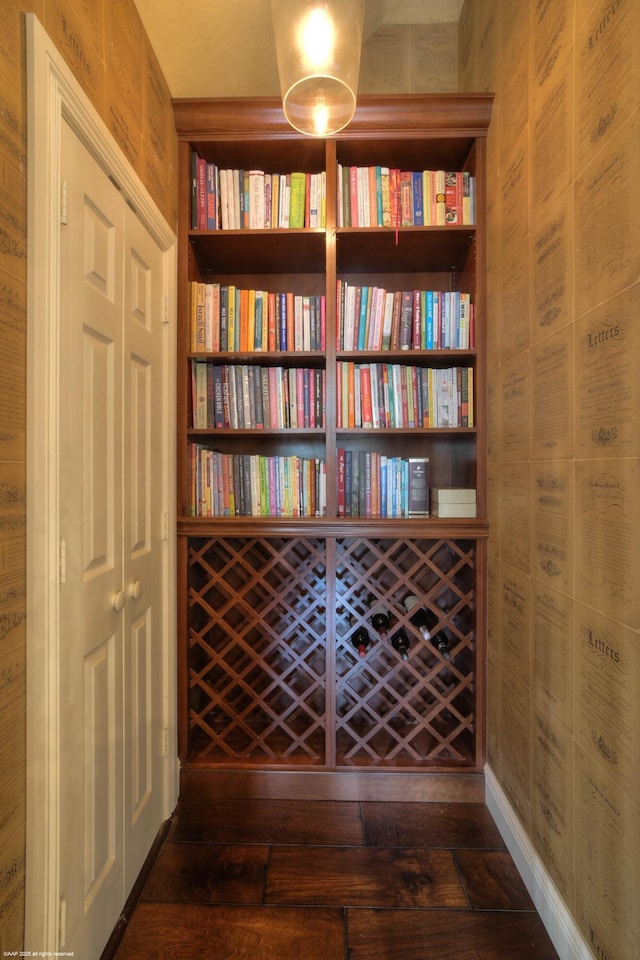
251, 319
366, 410
374, 485
291, 321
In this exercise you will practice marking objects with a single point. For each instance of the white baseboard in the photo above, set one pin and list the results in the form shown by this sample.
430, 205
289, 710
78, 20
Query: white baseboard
560, 925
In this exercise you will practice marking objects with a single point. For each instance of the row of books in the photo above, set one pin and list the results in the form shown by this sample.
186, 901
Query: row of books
372, 318
234, 199
378, 395
250, 485
373, 485
226, 317
247, 397
379, 196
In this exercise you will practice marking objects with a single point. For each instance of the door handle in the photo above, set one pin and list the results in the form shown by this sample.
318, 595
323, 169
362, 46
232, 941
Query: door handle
118, 601
135, 590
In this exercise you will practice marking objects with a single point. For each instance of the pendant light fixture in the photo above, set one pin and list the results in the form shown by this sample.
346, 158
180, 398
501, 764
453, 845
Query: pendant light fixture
318, 50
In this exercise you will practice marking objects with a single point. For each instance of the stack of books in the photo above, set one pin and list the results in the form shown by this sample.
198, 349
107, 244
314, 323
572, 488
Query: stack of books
453, 502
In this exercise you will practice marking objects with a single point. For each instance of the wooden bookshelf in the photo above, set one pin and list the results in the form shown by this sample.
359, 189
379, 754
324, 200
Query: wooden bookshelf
269, 679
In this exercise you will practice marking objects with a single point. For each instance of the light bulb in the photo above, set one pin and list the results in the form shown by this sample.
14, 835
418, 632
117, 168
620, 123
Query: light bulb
320, 116
317, 39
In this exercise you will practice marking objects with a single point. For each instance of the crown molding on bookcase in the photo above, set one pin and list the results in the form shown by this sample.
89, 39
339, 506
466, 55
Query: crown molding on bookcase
241, 118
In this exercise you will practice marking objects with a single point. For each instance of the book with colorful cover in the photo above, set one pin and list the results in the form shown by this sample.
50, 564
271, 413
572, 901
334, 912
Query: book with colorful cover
297, 199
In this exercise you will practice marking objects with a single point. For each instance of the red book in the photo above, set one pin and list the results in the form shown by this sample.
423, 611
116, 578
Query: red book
394, 196
417, 321
453, 197
406, 198
202, 194
353, 193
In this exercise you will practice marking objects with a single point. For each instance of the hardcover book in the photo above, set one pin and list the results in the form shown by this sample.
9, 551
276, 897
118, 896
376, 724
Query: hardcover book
418, 492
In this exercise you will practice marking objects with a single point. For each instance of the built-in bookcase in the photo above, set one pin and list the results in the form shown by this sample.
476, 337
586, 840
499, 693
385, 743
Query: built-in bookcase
277, 568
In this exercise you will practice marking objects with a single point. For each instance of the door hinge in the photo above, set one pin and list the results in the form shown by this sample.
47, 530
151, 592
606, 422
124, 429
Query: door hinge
165, 742
165, 526
165, 318
64, 203
63, 561
62, 924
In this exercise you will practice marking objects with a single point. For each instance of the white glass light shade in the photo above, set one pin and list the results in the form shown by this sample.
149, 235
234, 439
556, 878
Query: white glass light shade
318, 49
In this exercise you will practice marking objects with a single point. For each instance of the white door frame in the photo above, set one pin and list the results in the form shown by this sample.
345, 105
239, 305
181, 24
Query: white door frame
54, 96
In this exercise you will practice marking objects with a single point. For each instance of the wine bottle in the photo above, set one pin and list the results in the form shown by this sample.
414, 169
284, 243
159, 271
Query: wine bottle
361, 641
380, 620
419, 616
400, 642
441, 643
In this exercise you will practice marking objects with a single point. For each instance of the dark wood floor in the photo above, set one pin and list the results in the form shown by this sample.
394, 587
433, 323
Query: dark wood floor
315, 880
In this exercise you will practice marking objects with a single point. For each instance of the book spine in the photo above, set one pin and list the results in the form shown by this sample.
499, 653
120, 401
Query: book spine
406, 320
212, 194
406, 198
202, 194
418, 202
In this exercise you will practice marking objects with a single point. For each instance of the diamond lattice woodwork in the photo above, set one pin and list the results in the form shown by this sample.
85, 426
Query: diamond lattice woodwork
257, 631
262, 636
392, 712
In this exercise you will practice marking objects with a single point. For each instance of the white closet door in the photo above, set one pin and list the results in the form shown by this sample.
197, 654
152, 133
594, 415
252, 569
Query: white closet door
110, 682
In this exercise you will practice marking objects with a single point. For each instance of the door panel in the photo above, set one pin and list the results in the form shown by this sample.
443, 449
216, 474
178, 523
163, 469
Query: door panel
99, 505
90, 670
111, 631
100, 840
141, 659
143, 544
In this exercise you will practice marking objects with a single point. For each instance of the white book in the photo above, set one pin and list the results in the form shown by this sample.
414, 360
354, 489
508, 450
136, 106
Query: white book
306, 323
256, 199
224, 199
313, 201
349, 316
236, 220
375, 325
298, 334
364, 219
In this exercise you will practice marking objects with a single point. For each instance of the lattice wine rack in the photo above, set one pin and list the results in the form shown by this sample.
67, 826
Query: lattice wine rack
275, 680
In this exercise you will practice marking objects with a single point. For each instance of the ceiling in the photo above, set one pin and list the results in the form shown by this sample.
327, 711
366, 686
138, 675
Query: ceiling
225, 48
